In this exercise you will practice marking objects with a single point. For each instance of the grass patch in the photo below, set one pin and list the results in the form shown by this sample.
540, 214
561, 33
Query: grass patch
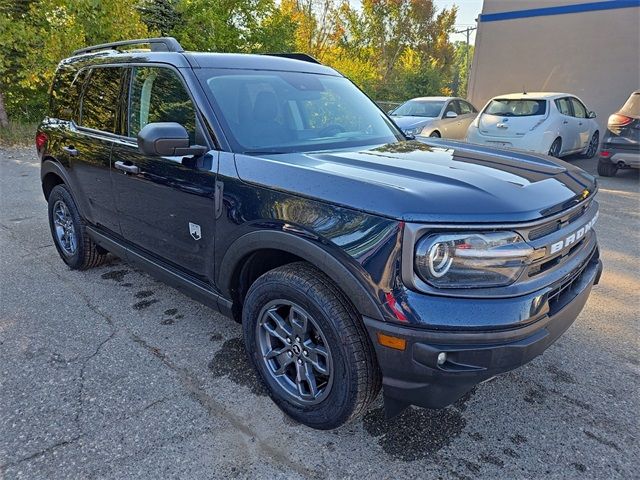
18, 133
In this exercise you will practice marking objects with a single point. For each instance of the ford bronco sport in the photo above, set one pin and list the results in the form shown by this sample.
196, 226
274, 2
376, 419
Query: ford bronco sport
273, 190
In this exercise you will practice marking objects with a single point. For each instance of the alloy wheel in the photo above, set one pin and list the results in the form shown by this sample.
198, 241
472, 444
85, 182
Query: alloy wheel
593, 146
554, 151
295, 351
64, 228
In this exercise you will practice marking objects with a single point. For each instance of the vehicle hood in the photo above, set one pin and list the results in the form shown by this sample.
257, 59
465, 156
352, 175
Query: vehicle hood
411, 122
427, 180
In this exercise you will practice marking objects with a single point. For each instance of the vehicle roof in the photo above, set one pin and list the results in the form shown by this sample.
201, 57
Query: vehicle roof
534, 95
437, 98
204, 60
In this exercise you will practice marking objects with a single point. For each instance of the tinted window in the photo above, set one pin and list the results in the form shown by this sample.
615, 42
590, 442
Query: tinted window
516, 107
563, 106
632, 106
579, 109
452, 107
65, 93
276, 112
419, 108
465, 107
158, 95
100, 99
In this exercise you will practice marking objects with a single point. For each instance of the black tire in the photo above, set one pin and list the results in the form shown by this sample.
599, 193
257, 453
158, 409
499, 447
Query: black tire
355, 377
592, 149
86, 253
607, 169
556, 148
435, 134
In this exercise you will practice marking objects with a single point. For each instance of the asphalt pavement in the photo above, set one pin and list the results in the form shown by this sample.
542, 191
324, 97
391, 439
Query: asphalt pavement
110, 374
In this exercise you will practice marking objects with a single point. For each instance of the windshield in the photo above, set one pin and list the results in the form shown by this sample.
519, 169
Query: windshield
516, 107
419, 108
279, 112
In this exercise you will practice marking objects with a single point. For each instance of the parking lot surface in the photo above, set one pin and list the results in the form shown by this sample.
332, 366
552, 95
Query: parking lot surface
110, 374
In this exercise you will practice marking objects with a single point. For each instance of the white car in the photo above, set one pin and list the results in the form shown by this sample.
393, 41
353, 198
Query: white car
557, 124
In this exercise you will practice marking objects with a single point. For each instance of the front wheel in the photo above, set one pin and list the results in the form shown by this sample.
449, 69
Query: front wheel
69, 234
309, 347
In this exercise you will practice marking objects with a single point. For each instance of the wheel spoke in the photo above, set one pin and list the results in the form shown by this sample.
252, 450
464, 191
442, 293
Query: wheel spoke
305, 377
284, 360
298, 321
317, 357
281, 331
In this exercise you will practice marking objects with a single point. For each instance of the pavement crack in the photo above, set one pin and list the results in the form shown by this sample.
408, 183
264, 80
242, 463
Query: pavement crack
40, 453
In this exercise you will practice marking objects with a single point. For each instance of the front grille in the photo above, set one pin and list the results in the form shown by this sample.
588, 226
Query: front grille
563, 293
558, 223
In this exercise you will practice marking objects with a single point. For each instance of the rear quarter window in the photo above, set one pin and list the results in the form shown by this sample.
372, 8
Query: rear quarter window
65, 93
521, 107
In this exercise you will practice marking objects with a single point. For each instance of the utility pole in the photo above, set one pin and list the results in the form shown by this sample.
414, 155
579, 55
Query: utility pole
468, 31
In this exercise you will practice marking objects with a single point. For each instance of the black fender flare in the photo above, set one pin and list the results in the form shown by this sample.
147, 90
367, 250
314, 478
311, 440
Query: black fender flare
311, 251
50, 165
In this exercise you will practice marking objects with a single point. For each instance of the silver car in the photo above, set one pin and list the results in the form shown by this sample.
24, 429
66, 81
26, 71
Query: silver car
446, 117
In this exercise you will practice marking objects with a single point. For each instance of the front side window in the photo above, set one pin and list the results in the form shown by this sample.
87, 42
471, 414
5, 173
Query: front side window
563, 106
100, 99
452, 107
506, 107
276, 112
419, 108
579, 110
158, 95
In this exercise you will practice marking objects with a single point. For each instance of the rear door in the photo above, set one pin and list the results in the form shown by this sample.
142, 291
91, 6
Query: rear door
87, 145
583, 125
167, 204
568, 125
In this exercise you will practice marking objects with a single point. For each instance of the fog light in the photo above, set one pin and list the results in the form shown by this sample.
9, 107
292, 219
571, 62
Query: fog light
442, 357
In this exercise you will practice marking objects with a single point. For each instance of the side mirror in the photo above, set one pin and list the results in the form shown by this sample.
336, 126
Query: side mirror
450, 114
591, 114
167, 139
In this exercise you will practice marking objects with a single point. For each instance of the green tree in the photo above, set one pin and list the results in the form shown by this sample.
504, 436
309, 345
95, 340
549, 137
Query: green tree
463, 58
160, 16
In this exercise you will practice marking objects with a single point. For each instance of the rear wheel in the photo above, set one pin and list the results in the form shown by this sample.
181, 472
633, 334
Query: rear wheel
607, 169
556, 148
69, 233
592, 149
309, 346
435, 134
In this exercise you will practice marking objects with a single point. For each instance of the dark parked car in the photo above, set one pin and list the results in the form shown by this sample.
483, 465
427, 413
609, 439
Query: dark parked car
274, 191
621, 143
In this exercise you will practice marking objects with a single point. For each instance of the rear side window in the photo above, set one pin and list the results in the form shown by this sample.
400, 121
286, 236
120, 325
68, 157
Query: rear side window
465, 107
158, 95
520, 107
563, 106
579, 110
632, 106
100, 99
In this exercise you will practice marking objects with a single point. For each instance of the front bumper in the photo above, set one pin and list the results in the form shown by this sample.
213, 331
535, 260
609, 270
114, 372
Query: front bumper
413, 376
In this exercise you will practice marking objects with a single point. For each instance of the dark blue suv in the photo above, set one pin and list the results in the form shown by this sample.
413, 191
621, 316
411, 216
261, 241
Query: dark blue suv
273, 190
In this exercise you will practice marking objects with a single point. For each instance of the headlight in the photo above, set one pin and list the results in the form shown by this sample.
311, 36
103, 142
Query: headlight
412, 132
471, 260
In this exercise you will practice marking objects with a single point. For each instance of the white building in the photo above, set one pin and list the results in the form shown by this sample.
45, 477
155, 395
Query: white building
588, 48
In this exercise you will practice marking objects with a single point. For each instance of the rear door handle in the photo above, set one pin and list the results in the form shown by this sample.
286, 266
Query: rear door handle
71, 150
126, 168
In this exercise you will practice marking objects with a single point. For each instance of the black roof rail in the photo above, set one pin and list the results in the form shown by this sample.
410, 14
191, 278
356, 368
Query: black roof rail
295, 56
160, 44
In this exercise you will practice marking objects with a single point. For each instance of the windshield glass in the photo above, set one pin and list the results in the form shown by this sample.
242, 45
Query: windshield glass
280, 112
419, 108
516, 107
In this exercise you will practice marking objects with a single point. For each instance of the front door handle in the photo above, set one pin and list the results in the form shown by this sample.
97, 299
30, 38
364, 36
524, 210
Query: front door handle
71, 150
126, 168
565, 122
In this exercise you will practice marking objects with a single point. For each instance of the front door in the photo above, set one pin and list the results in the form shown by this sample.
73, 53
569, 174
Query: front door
451, 127
166, 204
583, 125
